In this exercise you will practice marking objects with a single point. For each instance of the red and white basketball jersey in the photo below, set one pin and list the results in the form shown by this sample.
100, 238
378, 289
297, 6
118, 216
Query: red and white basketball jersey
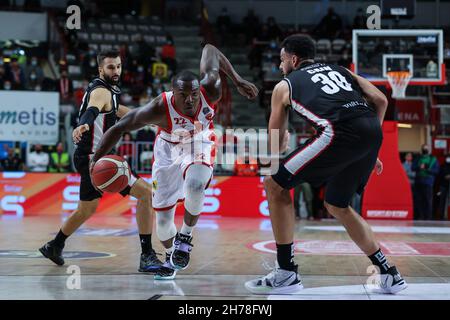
182, 128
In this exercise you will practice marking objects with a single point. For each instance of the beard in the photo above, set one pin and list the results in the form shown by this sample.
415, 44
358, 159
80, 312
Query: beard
109, 80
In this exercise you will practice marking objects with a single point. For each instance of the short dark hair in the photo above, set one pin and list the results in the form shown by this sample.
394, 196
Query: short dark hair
184, 75
301, 45
107, 54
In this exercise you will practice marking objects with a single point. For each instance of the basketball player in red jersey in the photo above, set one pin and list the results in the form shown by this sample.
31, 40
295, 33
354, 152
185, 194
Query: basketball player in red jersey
183, 162
99, 111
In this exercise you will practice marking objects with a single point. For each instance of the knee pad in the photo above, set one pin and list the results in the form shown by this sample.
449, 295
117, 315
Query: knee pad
197, 177
165, 224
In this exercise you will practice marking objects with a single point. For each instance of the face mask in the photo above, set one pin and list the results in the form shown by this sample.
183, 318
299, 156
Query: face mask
92, 63
140, 69
37, 88
33, 76
7, 87
447, 160
156, 81
34, 63
273, 45
149, 91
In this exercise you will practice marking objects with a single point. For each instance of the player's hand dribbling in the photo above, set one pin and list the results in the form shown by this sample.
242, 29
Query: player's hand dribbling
247, 89
379, 167
78, 132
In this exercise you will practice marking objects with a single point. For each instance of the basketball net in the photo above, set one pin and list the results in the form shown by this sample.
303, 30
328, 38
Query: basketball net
399, 81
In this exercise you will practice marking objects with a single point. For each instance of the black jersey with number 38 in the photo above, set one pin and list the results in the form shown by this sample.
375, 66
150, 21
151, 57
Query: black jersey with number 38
326, 94
105, 120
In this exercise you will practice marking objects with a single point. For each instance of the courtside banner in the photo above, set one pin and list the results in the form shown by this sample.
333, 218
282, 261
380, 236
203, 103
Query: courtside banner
28, 194
29, 116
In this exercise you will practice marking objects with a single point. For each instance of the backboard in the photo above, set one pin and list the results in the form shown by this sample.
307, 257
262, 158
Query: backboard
421, 52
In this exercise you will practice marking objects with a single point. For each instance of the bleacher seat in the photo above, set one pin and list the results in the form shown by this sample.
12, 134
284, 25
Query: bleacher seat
106, 26
96, 37
131, 27
109, 37
119, 27
82, 35
123, 37
323, 46
338, 46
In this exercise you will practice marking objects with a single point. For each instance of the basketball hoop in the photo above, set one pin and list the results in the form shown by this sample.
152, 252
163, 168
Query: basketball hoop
399, 81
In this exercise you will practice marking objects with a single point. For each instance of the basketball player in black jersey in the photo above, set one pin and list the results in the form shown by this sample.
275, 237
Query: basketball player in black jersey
99, 111
347, 112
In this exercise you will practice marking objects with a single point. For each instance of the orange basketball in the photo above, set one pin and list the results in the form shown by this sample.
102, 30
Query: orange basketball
111, 174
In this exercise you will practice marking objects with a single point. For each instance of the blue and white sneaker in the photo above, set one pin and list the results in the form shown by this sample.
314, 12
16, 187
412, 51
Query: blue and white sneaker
182, 250
149, 262
167, 271
278, 281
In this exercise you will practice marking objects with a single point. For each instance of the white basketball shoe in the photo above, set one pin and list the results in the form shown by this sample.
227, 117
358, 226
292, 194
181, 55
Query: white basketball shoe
278, 281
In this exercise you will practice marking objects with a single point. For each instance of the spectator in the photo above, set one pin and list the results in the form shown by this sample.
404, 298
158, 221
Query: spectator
3, 77
79, 93
146, 157
59, 160
223, 21
168, 55
145, 54
13, 162
7, 85
444, 184
38, 160
408, 166
65, 87
146, 134
34, 72
251, 25
17, 75
126, 148
426, 168
359, 22
274, 30
160, 71
330, 25
90, 69
306, 190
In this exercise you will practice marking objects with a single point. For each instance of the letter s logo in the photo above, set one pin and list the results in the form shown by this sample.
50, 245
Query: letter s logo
211, 203
71, 195
11, 203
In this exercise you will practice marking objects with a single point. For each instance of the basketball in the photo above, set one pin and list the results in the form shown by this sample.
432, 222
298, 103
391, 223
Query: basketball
111, 174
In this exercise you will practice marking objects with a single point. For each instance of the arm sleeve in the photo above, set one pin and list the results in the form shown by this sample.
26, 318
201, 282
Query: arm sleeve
89, 116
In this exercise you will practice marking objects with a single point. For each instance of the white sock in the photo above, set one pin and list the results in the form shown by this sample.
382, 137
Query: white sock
186, 230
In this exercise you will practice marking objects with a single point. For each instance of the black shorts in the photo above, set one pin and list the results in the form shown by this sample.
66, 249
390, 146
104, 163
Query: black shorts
87, 190
343, 160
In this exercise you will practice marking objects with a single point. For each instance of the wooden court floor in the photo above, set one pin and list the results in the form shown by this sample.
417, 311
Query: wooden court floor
227, 252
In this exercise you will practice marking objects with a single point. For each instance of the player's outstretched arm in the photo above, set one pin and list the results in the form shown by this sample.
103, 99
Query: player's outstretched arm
97, 101
374, 96
152, 113
214, 59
